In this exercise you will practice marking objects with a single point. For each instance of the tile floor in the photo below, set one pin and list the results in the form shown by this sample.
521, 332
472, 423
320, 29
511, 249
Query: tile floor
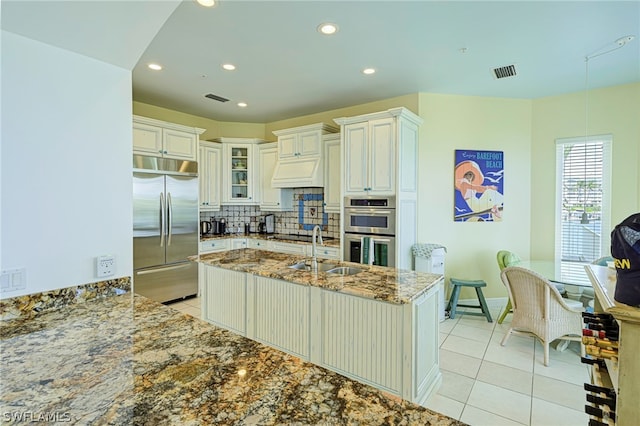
484, 383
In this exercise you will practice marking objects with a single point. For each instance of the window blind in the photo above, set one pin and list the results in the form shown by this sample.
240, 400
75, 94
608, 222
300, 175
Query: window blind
583, 176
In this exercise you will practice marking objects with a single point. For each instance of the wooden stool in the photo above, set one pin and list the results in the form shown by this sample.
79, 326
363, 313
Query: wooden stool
453, 300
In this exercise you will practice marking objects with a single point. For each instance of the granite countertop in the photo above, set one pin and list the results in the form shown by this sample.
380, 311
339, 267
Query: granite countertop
283, 238
127, 360
374, 282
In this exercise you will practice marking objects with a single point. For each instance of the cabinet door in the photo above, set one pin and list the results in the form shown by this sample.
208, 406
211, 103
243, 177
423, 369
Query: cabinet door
147, 139
355, 157
181, 145
309, 143
286, 329
382, 156
287, 146
210, 176
225, 297
332, 176
239, 176
269, 196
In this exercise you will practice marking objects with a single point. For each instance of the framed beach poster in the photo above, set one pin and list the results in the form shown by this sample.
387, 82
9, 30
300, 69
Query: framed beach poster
478, 186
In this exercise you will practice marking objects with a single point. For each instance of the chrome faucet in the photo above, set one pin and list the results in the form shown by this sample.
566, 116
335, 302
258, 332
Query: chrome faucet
317, 233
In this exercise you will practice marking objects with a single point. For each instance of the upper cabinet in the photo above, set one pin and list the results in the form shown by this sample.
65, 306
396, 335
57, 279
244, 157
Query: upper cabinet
271, 199
210, 175
162, 139
239, 170
380, 152
300, 160
332, 173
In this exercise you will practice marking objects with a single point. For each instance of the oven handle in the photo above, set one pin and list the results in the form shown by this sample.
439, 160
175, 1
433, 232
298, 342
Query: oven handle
377, 212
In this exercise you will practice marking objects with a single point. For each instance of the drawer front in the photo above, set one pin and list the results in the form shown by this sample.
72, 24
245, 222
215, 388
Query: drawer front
239, 243
326, 252
300, 249
212, 246
259, 244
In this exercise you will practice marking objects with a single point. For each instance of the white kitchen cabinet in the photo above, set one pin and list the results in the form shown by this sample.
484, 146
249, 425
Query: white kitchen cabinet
290, 248
214, 245
285, 329
304, 141
369, 156
162, 139
238, 243
239, 170
225, 297
210, 176
259, 244
271, 199
300, 160
380, 152
325, 252
332, 173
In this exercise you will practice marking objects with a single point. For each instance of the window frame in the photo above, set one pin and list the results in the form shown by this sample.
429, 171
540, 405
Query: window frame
605, 237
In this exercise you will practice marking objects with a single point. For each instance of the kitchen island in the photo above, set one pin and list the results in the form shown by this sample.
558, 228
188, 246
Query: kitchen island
126, 360
378, 325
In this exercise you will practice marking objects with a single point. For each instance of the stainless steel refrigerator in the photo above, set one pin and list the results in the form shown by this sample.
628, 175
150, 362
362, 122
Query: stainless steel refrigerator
165, 227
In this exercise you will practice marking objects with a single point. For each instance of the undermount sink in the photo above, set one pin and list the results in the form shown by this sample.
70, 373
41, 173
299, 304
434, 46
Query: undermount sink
322, 267
344, 270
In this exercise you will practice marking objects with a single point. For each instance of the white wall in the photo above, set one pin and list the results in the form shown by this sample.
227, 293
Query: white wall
66, 165
463, 122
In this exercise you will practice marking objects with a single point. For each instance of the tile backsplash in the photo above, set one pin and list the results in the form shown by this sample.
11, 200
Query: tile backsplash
307, 212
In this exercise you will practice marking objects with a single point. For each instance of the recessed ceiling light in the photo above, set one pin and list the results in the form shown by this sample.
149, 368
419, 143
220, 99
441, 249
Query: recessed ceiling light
229, 67
368, 71
207, 3
327, 28
242, 104
155, 67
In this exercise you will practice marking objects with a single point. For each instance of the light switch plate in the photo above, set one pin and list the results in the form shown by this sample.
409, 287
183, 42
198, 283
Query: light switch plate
13, 280
105, 266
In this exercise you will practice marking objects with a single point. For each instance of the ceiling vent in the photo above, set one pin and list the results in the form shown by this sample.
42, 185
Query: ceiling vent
504, 72
216, 97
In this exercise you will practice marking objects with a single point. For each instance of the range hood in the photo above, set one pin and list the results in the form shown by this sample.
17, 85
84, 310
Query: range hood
298, 173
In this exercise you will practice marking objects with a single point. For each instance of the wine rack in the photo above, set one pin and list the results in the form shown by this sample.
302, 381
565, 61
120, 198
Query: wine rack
611, 341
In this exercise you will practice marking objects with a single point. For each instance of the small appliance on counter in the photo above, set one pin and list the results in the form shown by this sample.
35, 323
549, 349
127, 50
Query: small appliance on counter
217, 226
205, 227
270, 224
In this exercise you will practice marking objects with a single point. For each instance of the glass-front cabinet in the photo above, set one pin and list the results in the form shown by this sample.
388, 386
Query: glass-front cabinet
239, 168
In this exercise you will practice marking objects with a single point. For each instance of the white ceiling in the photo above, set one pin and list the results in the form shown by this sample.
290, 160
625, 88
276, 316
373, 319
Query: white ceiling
285, 68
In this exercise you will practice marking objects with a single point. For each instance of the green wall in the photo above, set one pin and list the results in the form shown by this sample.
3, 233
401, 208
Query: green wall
525, 130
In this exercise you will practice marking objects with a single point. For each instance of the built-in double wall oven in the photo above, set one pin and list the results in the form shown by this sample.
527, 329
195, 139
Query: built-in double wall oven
369, 230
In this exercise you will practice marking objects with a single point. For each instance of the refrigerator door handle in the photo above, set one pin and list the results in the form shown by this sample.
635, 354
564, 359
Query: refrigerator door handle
170, 217
164, 269
162, 220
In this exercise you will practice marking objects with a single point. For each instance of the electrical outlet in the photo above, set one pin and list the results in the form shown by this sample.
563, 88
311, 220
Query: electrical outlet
13, 280
105, 266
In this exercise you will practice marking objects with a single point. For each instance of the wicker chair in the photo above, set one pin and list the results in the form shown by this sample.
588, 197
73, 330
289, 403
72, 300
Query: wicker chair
539, 309
506, 258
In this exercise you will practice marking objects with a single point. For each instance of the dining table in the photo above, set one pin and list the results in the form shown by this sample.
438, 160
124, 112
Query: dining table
559, 272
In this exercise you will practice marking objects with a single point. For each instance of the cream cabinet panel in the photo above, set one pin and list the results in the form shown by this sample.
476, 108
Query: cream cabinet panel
356, 152
213, 246
381, 173
286, 329
332, 174
179, 144
162, 139
239, 170
147, 139
370, 158
288, 146
225, 295
210, 176
325, 252
271, 199
259, 244
304, 141
238, 243
290, 248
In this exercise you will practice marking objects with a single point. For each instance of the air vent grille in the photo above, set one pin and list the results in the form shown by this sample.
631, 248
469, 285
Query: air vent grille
216, 97
504, 72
